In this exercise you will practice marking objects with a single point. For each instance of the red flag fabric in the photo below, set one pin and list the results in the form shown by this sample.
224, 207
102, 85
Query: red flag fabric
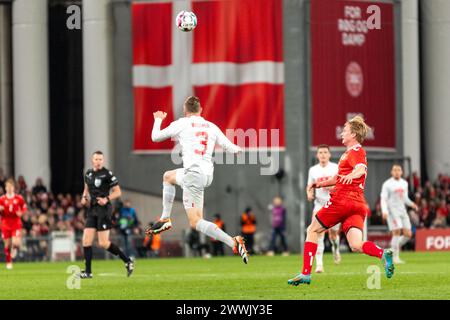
233, 61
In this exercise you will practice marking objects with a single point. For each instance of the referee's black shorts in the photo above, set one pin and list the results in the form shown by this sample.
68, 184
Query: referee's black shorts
99, 217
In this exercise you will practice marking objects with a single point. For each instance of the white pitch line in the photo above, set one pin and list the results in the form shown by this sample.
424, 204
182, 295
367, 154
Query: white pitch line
236, 275
362, 273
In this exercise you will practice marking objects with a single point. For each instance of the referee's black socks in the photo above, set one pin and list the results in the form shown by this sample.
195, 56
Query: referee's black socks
88, 258
117, 252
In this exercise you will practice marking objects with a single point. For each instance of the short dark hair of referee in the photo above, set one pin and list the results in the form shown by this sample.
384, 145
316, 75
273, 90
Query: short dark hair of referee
100, 188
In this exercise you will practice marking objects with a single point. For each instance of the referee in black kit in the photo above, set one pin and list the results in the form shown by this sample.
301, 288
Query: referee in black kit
98, 183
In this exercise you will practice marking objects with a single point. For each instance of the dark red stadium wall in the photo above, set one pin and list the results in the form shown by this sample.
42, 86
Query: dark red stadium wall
352, 71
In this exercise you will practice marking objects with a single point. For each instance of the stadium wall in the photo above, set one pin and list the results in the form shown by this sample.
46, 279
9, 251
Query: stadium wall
6, 128
435, 69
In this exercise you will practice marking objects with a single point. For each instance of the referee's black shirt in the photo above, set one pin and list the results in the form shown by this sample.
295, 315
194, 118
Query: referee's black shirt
99, 183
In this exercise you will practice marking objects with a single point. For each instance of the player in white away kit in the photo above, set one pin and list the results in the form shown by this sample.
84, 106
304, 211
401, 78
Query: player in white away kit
197, 138
394, 197
323, 171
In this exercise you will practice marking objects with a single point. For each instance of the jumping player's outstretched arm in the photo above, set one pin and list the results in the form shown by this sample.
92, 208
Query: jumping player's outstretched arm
159, 135
224, 142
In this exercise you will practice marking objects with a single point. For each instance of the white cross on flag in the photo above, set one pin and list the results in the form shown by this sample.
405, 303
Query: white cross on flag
233, 61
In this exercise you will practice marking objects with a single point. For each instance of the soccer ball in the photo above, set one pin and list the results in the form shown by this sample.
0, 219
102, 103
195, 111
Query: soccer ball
186, 21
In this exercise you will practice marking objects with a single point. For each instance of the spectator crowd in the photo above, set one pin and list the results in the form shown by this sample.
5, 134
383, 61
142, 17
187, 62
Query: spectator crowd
48, 212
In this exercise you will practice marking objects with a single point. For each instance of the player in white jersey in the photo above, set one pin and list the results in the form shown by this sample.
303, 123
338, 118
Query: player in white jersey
394, 197
197, 138
322, 171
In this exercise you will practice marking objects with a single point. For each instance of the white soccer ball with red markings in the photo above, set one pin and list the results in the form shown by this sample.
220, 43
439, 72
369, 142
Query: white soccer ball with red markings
186, 21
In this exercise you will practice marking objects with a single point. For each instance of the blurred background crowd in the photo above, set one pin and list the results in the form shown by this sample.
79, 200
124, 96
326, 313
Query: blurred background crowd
433, 200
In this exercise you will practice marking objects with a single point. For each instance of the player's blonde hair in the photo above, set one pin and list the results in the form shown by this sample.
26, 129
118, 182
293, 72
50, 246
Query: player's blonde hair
11, 182
358, 127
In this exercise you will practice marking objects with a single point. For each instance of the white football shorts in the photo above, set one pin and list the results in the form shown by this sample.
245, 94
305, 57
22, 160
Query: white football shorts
193, 182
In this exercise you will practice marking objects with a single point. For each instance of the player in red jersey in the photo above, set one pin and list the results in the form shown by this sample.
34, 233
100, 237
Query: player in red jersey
347, 204
12, 206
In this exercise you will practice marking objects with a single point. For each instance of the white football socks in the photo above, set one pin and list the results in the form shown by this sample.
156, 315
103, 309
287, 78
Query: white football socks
335, 245
395, 245
168, 197
212, 230
402, 241
320, 249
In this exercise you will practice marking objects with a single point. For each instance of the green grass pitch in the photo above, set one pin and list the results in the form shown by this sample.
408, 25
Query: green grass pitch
424, 276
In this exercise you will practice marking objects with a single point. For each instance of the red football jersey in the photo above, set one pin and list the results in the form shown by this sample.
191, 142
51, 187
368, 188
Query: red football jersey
11, 206
356, 156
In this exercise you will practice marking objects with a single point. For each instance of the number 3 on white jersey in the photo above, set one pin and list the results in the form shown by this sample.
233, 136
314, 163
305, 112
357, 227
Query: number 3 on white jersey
203, 142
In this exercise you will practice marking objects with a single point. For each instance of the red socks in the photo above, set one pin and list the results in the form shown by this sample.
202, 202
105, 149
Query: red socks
309, 251
371, 249
7, 255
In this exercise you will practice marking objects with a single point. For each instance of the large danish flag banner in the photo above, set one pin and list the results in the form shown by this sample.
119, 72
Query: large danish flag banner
353, 70
233, 61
